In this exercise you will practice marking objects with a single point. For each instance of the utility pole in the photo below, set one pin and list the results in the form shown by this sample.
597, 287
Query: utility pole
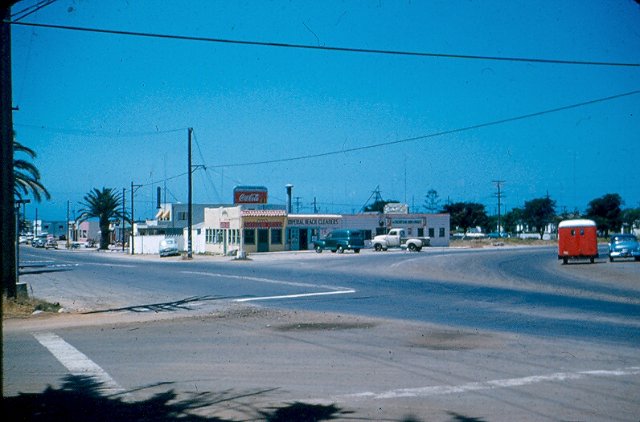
8, 246
7, 207
18, 203
298, 204
190, 199
315, 205
499, 195
68, 227
124, 210
133, 221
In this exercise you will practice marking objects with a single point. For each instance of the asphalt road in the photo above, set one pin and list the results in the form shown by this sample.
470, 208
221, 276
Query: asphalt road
497, 334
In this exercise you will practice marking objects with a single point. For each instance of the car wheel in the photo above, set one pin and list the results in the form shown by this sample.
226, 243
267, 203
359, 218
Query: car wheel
377, 247
318, 249
610, 258
358, 251
592, 260
564, 261
340, 249
412, 247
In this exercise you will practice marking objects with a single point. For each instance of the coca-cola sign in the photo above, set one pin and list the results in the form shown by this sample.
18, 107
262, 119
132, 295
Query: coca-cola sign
250, 195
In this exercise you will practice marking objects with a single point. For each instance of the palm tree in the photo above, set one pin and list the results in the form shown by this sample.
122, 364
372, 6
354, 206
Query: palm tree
106, 205
27, 176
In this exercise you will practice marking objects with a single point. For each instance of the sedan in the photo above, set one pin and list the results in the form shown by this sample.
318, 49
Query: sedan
624, 246
168, 247
38, 242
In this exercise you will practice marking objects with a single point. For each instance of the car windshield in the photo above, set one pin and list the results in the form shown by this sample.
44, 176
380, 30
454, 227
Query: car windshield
625, 238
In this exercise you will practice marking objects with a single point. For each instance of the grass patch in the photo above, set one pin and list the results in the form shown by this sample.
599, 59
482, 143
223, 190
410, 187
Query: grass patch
24, 307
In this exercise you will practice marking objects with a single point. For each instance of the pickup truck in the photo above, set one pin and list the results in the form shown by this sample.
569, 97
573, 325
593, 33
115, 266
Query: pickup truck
397, 238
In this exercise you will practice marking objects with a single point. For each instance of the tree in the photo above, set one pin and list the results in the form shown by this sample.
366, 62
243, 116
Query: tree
432, 201
539, 213
466, 214
105, 205
27, 176
606, 212
631, 218
513, 220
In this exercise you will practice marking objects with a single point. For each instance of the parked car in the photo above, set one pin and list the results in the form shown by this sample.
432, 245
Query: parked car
496, 235
624, 246
38, 242
168, 247
51, 243
341, 240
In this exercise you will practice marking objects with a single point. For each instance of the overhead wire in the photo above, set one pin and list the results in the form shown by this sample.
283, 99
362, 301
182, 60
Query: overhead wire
98, 133
434, 135
31, 9
326, 48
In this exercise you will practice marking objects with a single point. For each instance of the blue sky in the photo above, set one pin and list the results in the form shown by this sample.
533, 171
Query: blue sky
108, 110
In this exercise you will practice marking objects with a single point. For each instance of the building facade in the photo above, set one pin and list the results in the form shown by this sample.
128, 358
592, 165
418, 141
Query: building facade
228, 230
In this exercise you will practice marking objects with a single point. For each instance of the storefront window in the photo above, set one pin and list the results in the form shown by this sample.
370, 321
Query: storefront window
249, 237
441, 231
276, 236
208, 233
432, 232
234, 236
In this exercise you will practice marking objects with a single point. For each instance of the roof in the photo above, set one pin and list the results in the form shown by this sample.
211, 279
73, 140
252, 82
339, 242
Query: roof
264, 213
577, 223
315, 216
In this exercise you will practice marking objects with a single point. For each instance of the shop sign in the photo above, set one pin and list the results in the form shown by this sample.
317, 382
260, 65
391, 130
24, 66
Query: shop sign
250, 195
395, 222
313, 222
262, 224
396, 208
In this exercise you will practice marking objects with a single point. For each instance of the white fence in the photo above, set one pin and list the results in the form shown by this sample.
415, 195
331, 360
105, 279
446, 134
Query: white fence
151, 244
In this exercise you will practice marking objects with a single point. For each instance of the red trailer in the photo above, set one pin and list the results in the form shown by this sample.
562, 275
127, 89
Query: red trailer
577, 239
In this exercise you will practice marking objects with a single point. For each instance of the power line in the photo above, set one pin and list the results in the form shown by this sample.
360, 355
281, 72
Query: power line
97, 133
437, 134
325, 48
31, 9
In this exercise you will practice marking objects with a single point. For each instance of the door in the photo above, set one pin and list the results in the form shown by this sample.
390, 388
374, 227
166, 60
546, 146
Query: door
263, 240
304, 241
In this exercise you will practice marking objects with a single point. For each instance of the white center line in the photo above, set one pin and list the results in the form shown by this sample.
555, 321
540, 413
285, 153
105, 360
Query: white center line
295, 296
78, 363
265, 280
488, 385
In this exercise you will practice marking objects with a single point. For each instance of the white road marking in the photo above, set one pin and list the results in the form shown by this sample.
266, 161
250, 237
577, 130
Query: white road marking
264, 280
295, 296
78, 363
111, 265
489, 385
333, 290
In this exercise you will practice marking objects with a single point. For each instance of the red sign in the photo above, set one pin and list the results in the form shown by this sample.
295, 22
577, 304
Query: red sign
262, 224
249, 196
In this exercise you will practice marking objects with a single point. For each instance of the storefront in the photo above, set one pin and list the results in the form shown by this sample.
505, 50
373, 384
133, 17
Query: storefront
232, 229
304, 229
263, 230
